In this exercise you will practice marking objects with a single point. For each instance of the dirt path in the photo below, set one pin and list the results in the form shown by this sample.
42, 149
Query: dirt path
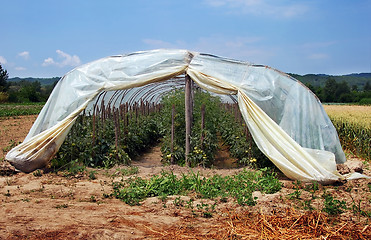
150, 159
46, 205
14, 129
223, 159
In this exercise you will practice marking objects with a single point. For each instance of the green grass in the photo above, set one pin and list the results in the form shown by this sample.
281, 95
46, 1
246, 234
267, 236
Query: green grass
239, 186
20, 109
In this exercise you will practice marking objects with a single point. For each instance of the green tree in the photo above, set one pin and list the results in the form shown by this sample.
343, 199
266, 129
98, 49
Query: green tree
311, 87
342, 93
31, 92
329, 91
3, 79
367, 87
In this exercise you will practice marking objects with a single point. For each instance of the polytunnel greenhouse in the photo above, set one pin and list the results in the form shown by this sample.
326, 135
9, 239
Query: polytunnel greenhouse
285, 119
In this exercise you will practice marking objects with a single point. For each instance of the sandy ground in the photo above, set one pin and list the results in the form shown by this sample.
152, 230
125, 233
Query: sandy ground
55, 206
14, 129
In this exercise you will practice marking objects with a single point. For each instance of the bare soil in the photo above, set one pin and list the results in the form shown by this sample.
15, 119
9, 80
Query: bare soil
14, 130
50, 205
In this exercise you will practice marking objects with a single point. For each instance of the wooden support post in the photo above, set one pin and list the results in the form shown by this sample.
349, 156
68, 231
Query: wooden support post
188, 116
202, 124
172, 133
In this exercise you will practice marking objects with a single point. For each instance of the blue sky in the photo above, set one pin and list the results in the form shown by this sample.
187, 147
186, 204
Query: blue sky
49, 38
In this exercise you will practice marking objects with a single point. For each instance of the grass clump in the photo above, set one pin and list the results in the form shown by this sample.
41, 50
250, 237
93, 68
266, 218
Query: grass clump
333, 206
239, 186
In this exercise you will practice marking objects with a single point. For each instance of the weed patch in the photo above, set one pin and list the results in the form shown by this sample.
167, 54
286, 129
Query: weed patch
239, 186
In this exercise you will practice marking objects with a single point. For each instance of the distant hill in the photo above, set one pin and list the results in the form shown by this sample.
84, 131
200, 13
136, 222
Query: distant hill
359, 79
319, 80
43, 81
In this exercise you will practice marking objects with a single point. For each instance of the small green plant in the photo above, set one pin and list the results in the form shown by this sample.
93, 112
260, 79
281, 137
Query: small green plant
61, 206
132, 170
333, 206
189, 203
178, 202
92, 175
37, 173
162, 197
356, 207
207, 214
11, 145
308, 204
74, 169
206, 209
297, 193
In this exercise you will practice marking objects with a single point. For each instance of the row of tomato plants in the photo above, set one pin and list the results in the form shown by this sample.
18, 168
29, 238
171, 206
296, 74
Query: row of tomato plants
91, 141
203, 139
103, 140
223, 123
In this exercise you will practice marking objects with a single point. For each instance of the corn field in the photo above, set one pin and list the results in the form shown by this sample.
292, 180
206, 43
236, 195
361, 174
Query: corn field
353, 124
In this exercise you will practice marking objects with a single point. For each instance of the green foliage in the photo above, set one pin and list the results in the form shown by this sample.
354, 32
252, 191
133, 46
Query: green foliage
3, 79
365, 101
239, 186
367, 87
318, 81
333, 206
25, 91
240, 143
218, 122
11, 109
101, 151
4, 97
202, 153
129, 170
60, 206
297, 193
92, 175
336, 88
43, 81
37, 173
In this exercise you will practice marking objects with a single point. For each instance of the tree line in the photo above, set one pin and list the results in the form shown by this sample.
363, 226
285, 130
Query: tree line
331, 92
341, 92
22, 91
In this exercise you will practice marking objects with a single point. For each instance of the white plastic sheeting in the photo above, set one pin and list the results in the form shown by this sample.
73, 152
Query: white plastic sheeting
285, 118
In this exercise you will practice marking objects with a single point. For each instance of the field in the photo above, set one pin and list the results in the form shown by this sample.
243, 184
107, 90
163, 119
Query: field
13, 109
353, 124
124, 202
359, 115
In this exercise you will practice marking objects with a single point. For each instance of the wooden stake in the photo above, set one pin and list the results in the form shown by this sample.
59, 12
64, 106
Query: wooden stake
188, 116
202, 124
172, 133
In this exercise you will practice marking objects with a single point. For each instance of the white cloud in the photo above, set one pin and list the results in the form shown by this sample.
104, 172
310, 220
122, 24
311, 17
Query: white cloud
3, 60
48, 62
261, 7
65, 60
20, 68
25, 55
